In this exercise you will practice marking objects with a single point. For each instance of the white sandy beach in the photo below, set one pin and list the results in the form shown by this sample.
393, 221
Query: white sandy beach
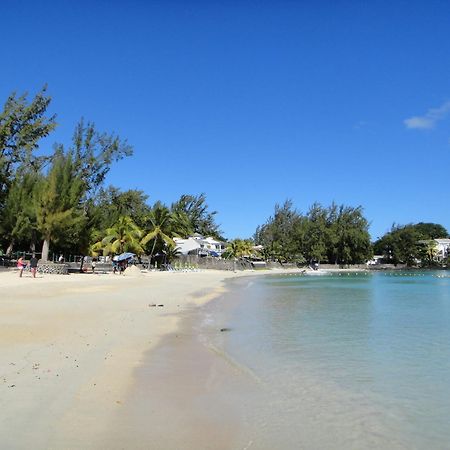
70, 346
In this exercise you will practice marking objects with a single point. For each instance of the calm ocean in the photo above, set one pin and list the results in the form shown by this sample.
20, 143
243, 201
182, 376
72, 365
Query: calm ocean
341, 361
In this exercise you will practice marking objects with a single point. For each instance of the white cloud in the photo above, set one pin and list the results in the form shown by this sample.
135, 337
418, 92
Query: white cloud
428, 120
421, 123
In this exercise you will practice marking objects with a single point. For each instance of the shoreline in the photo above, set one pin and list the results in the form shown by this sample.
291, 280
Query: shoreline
75, 351
185, 393
70, 346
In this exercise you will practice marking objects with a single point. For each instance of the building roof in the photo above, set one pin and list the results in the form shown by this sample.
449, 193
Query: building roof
186, 245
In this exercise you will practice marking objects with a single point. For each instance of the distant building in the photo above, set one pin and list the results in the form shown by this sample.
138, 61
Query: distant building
441, 247
188, 246
199, 245
376, 260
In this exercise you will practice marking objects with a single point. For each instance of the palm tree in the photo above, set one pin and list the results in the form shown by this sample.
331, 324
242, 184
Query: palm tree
239, 248
181, 224
171, 252
161, 227
123, 236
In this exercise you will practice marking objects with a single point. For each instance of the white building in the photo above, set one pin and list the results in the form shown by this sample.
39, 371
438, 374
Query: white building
199, 245
375, 261
211, 245
187, 246
442, 248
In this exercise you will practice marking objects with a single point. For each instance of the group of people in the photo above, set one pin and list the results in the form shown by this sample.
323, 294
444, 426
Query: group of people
22, 264
119, 266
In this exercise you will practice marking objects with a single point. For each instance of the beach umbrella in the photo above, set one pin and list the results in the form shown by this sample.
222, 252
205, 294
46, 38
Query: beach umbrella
124, 256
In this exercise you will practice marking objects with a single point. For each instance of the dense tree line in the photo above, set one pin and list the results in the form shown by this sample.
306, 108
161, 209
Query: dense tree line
58, 202
410, 244
337, 234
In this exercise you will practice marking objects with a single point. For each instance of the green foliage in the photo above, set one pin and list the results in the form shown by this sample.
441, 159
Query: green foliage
160, 228
349, 239
407, 244
280, 235
18, 225
90, 157
58, 202
181, 224
199, 218
429, 253
65, 205
171, 252
111, 203
316, 236
431, 230
123, 236
94, 153
239, 248
22, 125
337, 234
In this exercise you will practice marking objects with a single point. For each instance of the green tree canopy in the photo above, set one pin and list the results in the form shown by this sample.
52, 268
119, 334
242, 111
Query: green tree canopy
94, 152
87, 162
239, 248
123, 236
160, 228
280, 234
335, 234
23, 124
404, 243
196, 209
18, 224
112, 203
59, 212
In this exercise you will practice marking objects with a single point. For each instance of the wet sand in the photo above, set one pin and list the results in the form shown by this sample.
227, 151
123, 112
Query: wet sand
185, 396
70, 345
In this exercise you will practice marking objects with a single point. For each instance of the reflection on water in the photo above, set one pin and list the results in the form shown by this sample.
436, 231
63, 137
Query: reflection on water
346, 361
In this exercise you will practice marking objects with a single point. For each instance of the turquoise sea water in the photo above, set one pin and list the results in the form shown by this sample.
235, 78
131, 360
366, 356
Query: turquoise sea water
343, 360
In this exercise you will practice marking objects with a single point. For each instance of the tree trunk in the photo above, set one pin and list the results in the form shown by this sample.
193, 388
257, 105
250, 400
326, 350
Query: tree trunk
10, 248
151, 254
45, 249
81, 263
33, 242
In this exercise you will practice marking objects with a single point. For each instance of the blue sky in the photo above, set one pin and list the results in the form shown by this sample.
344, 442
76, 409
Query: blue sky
252, 102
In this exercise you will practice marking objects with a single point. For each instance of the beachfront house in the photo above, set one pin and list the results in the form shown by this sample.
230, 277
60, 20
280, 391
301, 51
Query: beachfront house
188, 246
200, 245
212, 246
376, 260
440, 248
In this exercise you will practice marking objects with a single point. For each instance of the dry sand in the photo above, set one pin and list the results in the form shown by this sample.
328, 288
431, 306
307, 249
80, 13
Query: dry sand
70, 350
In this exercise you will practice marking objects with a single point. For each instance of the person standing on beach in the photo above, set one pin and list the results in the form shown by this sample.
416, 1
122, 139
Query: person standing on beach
21, 265
33, 265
